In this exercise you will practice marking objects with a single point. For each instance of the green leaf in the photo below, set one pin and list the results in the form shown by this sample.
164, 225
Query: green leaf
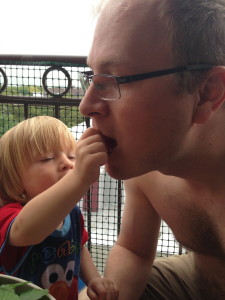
34, 294
8, 292
12, 286
6, 295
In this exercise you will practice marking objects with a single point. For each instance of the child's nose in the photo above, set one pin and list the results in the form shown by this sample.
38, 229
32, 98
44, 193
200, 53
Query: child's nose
66, 163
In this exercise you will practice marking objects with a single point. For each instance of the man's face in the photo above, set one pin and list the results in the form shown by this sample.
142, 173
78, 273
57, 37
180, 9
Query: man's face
150, 119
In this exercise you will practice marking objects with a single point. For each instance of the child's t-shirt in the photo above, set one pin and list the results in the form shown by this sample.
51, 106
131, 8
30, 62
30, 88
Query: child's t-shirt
53, 264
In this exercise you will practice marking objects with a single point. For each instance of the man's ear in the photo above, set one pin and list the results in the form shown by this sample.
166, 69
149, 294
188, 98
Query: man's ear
211, 95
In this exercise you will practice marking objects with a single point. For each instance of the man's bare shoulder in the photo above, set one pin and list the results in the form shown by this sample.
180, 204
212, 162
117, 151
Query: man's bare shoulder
152, 183
151, 177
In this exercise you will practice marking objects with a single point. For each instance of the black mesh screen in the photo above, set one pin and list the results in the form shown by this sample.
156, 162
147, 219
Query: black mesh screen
31, 86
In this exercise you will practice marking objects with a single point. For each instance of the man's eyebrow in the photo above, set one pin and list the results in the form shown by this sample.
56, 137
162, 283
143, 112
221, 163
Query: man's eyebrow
109, 61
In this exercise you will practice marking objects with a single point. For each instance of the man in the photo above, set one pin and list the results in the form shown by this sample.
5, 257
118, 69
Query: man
165, 133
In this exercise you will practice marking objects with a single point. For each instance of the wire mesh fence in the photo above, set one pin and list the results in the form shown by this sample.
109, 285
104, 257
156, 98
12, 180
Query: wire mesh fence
31, 86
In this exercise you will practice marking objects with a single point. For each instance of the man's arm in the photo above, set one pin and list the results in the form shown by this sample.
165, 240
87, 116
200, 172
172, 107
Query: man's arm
130, 260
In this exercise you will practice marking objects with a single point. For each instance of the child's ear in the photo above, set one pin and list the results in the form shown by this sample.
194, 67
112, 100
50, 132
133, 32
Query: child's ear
211, 95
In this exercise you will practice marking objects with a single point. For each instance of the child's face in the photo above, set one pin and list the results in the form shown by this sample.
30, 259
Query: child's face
45, 171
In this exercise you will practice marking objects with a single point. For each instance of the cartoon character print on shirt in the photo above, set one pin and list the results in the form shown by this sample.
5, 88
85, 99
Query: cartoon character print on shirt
55, 268
49, 263
59, 280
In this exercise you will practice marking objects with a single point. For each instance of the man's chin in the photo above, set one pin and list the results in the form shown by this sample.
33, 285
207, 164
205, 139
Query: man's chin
117, 172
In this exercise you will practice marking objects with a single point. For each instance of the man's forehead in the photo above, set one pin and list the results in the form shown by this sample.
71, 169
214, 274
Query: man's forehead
128, 33
129, 19
122, 3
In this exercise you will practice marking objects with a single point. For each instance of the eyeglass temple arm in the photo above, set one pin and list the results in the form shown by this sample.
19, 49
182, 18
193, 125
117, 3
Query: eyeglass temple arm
131, 78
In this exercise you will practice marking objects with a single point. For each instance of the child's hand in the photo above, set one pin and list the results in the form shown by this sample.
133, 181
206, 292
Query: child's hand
91, 153
100, 288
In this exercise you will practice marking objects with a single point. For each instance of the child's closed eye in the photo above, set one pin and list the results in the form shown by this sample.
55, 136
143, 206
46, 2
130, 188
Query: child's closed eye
46, 159
71, 157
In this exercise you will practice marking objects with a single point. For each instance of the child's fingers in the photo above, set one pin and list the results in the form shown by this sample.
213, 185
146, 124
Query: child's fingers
89, 132
92, 295
103, 291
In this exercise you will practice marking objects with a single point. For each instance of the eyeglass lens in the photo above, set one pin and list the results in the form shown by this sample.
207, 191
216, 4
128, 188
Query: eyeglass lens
106, 86
85, 81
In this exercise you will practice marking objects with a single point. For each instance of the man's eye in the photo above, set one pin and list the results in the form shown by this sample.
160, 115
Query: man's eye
100, 86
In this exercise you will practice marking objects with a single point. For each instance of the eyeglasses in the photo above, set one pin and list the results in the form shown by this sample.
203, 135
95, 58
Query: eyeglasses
107, 86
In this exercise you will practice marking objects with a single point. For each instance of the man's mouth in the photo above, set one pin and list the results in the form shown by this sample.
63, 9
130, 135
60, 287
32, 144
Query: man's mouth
110, 143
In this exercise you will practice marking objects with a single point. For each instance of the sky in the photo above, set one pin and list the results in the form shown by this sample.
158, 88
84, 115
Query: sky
47, 27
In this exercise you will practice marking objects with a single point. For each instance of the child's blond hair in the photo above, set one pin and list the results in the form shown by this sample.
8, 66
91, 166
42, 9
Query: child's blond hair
21, 144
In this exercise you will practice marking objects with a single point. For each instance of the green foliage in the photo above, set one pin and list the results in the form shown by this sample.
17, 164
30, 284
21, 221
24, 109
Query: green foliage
23, 90
11, 292
11, 114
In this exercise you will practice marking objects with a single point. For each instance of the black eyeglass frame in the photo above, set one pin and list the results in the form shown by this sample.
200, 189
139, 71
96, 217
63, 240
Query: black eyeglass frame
143, 76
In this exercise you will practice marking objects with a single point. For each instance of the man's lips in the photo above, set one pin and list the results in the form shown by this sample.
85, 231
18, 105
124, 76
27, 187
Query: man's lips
110, 143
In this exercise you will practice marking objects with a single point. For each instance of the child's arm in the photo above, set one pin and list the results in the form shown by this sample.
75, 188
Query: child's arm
98, 288
43, 214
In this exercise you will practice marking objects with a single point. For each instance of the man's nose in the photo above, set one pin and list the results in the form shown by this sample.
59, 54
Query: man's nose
92, 105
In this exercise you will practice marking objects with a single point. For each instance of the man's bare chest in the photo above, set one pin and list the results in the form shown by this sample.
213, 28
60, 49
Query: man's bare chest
198, 231
197, 223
